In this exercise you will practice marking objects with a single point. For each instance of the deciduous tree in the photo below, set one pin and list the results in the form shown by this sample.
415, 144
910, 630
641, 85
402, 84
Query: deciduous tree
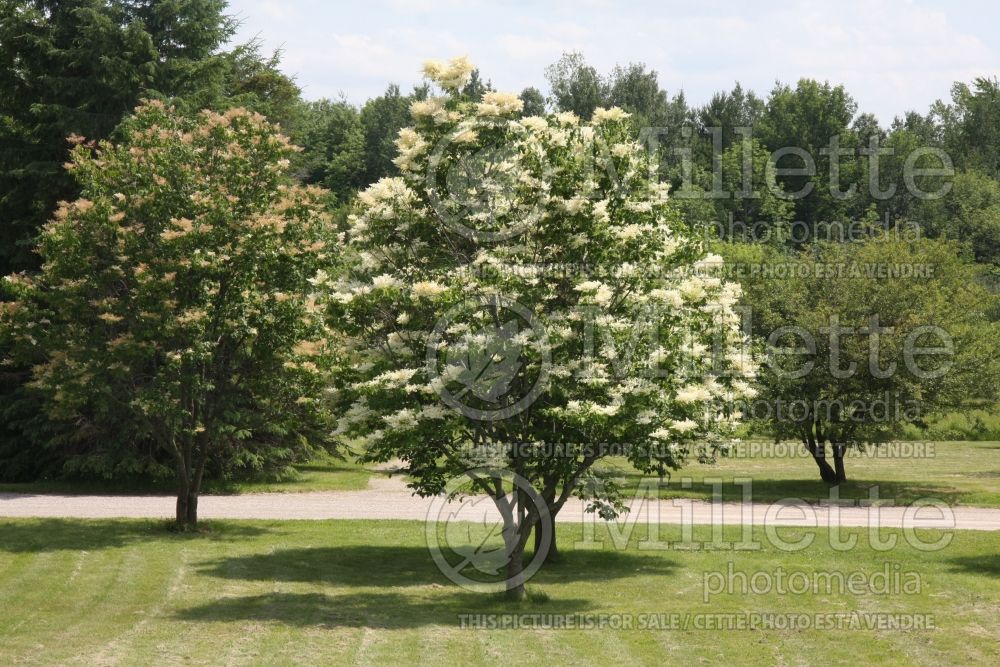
864, 338
524, 301
173, 306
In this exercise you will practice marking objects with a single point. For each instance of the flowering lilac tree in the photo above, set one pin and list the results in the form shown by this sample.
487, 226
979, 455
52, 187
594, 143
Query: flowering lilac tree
523, 302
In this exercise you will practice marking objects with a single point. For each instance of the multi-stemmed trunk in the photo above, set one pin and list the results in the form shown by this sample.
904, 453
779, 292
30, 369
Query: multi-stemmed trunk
191, 457
834, 474
515, 534
518, 524
187, 508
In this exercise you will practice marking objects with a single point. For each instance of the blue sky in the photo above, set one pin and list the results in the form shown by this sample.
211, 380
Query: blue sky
893, 55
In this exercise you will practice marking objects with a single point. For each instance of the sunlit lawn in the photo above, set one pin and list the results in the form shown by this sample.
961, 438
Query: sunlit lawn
959, 473
255, 593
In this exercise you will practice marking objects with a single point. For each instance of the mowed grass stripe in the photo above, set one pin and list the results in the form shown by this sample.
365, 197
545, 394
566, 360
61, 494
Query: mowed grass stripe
339, 592
167, 572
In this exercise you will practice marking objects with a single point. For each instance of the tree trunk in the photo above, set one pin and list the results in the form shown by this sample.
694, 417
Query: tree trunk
838, 461
553, 552
187, 508
188, 486
515, 572
818, 451
191, 460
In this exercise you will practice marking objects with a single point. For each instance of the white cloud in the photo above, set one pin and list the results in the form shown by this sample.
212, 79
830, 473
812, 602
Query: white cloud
892, 55
524, 47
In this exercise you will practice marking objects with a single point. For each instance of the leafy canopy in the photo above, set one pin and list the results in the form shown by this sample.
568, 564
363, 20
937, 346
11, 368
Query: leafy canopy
172, 307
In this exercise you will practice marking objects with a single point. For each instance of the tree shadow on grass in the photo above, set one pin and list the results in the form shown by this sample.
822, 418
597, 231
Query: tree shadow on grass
984, 474
987, 564
44, 535
370, 610
388, 566
814, 490
897, 492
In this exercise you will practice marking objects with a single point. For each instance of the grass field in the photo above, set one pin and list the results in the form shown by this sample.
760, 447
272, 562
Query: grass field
248, 593
959, 473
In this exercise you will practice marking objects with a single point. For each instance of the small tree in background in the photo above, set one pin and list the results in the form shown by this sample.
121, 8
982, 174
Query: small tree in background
533, 102
172, 308
866, 337
523, 302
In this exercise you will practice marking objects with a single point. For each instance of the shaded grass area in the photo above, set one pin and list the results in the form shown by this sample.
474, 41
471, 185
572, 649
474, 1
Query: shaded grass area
348, 592
325, 473
959, 473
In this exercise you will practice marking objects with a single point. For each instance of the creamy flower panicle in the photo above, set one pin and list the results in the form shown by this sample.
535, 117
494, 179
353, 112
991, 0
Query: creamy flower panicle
499, 104
450, 75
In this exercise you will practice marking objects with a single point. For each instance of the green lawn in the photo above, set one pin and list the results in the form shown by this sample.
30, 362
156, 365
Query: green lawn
959, 473
256, 593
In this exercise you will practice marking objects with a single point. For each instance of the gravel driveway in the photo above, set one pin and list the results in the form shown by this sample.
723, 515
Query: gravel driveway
388, 498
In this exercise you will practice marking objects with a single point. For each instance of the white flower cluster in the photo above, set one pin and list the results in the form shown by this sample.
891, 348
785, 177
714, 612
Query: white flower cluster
428, 289
694, 394
595, 292
433, 109
384, 198
450, 75
411, 147
499, 104
602, 115
567, 118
